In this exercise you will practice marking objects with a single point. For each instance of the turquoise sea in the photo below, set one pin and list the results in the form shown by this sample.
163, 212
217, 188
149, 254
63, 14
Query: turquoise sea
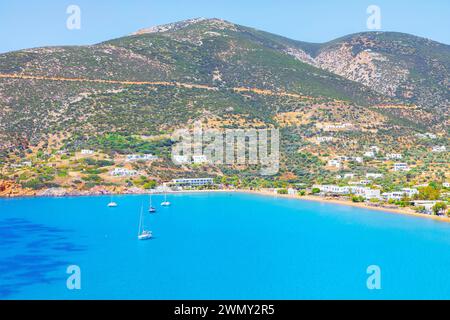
217, 246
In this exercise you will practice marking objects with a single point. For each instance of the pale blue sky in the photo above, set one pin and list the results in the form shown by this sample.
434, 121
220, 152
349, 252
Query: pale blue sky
34, 23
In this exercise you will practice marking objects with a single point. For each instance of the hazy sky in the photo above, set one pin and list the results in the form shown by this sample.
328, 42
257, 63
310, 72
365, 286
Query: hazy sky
34, 23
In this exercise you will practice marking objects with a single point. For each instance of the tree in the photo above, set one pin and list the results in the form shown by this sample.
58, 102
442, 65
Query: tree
429, 193
315, 190
439, 207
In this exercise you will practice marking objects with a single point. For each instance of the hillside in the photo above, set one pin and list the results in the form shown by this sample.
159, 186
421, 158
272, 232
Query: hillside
54, 101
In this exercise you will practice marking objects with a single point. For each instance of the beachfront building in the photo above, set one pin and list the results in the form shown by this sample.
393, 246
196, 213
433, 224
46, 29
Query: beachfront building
367, 193
426, 204
439, 149
398, 195
123, 172
446, 184
410, 192
140, 157
195, 182
292, 191
401, 166
374, 175
394, 156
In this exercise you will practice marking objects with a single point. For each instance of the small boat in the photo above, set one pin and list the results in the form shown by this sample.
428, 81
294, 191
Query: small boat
142, 233
165, 203
112, 204
151, 209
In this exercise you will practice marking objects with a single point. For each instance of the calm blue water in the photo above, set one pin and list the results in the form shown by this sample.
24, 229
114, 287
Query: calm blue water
217, 246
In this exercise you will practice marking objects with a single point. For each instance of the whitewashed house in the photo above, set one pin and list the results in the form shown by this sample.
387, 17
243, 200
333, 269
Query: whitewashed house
180, 159
140, 157
401, 166
439, 149
200, 159
410, 192
369, 154
374, 149
87, 152
446, 184
394, 156
334, 163
123, 172
324, 139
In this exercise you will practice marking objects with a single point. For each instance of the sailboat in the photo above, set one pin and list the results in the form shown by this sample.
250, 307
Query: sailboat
151, 209
165, 202
142, 233
112, 204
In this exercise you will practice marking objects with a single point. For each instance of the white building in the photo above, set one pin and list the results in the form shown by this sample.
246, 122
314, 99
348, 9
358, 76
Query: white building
446, 184
349, 176
342, 126
334, 163
427, 204
292, 191
374, 149
357, 159
374, 175
426, 135
367, 193
195, 182
372, 193
398, 195
369, 154
410, 192
439, 149
200, 159
123, 172
365, 182
87, 151
180, 159
140, 157
400, 166
324, 139
394, 156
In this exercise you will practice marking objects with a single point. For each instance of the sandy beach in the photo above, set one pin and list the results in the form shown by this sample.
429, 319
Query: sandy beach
404, 211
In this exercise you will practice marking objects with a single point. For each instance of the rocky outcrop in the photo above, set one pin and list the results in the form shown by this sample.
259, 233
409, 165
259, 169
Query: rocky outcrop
12, 189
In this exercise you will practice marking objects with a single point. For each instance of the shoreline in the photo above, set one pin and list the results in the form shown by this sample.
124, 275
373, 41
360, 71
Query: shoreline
349, 203
344, 202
